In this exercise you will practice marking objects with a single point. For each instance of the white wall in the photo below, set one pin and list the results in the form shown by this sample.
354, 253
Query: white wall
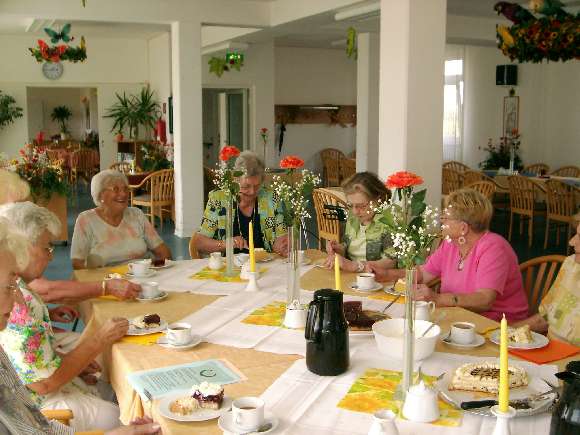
49, 98
160, 71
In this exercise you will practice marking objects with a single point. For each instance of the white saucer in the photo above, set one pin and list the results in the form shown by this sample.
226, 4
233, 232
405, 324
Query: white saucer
167, 265
195, 340
479, 340
306, 262
147, 275
391, 291
146, 331
377, 286
227, 424
162, 295
201, 414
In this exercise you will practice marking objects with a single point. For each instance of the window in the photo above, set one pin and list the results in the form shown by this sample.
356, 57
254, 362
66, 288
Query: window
453, 110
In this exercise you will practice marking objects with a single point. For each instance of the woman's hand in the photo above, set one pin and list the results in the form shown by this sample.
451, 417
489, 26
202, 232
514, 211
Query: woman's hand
89, 372
112, 330
382, 274
240, 243
122, 289
281, 245
331, 247
142, 425
343, 263
63, 314
424, 293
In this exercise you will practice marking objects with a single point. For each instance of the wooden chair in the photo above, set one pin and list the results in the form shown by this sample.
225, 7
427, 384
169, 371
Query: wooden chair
561, 202
486, 188
160, 194
523, 194
84, 164
328, 229
331, 166
536, 169
567, 171
452, 180
347, 168
538, 275
124, 167
456, 166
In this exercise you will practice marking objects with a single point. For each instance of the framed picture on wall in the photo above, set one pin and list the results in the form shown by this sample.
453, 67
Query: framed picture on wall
511, 115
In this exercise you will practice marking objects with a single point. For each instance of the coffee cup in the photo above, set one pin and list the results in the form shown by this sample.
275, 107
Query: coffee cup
424, 309
365, 281
179, 334
248, 413
149, 290
242, 258
139, 268
215, 261
462, 332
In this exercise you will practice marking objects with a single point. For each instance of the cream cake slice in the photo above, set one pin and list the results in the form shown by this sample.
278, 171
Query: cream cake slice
521, 335
484, 377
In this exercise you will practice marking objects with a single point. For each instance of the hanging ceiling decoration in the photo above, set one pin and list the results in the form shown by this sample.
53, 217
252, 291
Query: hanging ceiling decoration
232, 60
554, 36
63, 51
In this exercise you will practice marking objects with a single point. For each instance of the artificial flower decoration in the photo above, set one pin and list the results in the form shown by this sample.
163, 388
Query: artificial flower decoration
403, 179
228, 152
291, 162
61, 52
264, 135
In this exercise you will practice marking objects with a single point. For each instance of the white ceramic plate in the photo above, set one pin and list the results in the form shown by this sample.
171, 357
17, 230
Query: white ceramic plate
162, 295
147, 275
197, 415
265, 259
146, 331
226, 423
535, 386
306, 262
391, 291
354, 286
539, 341
195, 340
479, 340
360, 333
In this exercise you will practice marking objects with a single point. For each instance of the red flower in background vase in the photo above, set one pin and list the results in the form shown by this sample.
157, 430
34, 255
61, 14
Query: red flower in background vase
228, 152
402, 179
291, 162
39, 137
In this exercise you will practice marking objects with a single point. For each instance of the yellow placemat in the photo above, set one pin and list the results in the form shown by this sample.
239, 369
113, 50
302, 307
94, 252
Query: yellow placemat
109, 298
122, 270
218, 275
382, 296
145, 340
268, 315
375, 389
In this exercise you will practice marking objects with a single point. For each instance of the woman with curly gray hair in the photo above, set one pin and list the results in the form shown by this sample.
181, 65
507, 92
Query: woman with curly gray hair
113, 232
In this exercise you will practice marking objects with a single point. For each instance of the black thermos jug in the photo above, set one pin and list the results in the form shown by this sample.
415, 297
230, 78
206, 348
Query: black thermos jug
566, 415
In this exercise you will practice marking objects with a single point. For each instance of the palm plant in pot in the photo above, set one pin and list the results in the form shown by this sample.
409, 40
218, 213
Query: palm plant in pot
132, 111
61, 114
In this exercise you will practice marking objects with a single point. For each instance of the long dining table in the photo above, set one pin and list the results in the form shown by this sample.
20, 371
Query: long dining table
261, 368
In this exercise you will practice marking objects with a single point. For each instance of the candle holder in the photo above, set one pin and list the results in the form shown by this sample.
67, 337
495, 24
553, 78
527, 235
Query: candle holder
502, 424
253, 282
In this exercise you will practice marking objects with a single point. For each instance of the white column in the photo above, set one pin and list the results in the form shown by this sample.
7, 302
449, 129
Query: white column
411, 90
187, 125
367, 102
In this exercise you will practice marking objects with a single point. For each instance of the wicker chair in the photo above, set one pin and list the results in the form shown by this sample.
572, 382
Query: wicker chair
124, 167
328, 229
538, 275
536, 169
452, 180
347, 168
456, 166
567, 171
486, 188
561, 202
84, 164
160, 194
331, 166
471, 176
523, 194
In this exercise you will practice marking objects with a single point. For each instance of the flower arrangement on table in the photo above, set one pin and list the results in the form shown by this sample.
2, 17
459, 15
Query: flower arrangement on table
154, 157
500, 155
413, 226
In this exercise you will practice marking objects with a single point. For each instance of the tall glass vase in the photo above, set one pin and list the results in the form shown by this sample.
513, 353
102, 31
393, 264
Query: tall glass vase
293, 289
512, 159
409, 331
230, 236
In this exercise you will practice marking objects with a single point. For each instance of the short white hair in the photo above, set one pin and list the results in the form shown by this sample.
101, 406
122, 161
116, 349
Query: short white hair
13, 188
102, 180
31, 220
249, 162
14, 244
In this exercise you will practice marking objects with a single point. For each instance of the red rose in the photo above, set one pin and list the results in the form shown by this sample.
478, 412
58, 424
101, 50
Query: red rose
403, 179
228, 152
291, 162
264, 130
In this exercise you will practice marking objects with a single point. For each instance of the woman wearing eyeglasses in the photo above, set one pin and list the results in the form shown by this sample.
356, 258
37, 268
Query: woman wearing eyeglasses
113, 232
365, 238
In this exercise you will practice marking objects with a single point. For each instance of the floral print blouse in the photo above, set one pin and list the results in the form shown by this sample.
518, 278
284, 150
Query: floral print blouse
378, 239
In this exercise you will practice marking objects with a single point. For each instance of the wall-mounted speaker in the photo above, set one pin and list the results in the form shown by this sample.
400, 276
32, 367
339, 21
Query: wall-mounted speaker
506, 75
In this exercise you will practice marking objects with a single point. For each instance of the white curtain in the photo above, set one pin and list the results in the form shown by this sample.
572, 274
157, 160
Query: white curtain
453, 104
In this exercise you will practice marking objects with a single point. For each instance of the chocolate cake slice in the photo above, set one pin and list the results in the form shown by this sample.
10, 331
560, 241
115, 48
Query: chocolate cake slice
151, 320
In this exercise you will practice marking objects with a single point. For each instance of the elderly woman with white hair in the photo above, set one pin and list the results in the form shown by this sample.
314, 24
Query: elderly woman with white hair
14, 188
255, 204
112, 232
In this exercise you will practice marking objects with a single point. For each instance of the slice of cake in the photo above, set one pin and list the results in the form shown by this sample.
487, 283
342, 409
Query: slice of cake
400, 286
184, 406
484, 377
147, 321
359, 319
208, 395
521, 335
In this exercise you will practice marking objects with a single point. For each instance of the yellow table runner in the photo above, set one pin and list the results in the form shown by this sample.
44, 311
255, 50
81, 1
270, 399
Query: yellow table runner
375, 390
218, 275
145, 340
269, 315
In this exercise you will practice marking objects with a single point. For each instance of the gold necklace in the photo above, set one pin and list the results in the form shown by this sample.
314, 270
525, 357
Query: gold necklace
461, 262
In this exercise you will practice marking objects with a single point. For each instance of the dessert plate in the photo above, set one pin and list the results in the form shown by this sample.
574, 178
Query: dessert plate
355, 287
167, 265
391, 291
195, 340
162, 295
200, 414
226, 423
146, 331
539, 341
147, 275
479, 340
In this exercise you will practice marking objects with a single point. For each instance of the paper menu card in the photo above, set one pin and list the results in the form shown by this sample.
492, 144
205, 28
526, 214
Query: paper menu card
161, 381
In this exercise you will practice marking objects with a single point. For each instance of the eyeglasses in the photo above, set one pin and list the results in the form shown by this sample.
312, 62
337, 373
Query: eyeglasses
362, 206
117, 189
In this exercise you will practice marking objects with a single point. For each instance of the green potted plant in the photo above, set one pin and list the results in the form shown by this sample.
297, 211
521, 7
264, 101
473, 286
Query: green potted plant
61, 114
133, 111
9, 111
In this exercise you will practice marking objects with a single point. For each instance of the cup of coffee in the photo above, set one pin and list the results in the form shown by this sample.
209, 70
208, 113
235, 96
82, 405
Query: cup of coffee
149, 289
462, 332
139, 268
248, 413
178, 334
365, 281
424, 309
215, 261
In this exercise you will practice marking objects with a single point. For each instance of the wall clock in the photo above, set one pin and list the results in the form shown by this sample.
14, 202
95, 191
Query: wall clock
52, 70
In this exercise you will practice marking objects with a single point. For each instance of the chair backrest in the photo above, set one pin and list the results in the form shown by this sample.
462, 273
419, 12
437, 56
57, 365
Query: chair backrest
538, 275
331, 166
124, 167
471, 176
567, 171
347, 168
522, 194
536, 169
52, 155
328, 229
452, 180
456, 166
162, 186
84, 160
561, 200
486, 188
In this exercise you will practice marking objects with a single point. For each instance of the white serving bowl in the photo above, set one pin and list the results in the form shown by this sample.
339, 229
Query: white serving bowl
389, 337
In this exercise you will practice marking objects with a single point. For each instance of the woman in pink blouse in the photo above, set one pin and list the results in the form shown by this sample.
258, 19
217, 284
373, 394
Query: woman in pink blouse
478, 269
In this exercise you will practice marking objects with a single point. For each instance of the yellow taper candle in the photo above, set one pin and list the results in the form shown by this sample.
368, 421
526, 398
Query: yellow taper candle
337, 281
504, 383
251, 246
